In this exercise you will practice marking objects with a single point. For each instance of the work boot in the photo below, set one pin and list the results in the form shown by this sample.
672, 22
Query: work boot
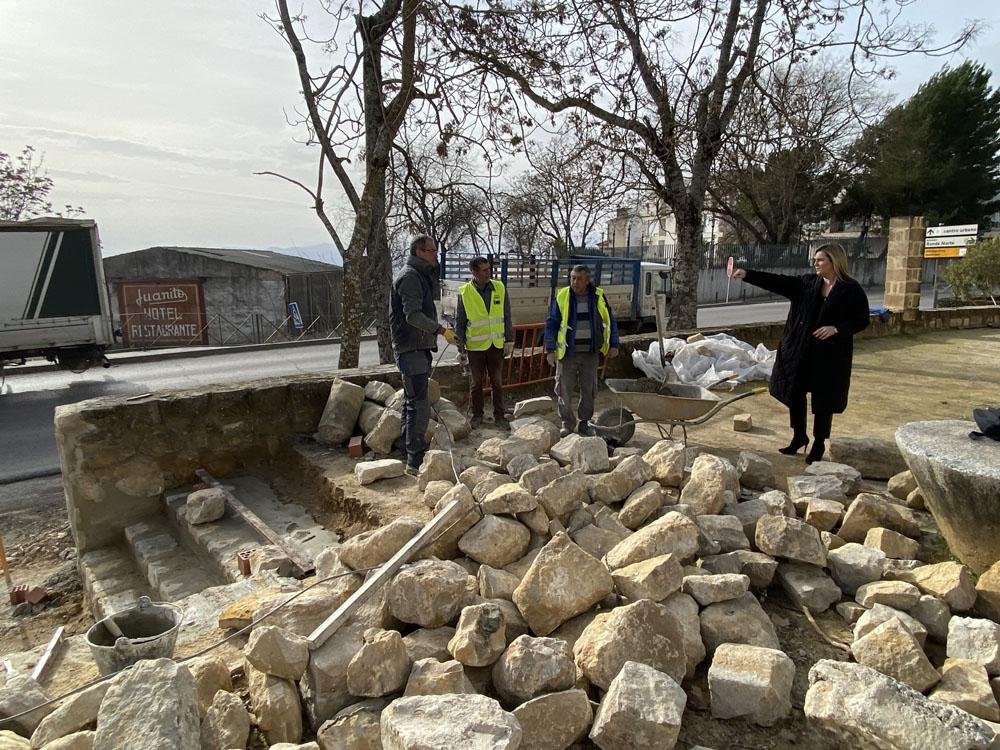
565, 431
586, 429
476, 420
412, 471
501, 423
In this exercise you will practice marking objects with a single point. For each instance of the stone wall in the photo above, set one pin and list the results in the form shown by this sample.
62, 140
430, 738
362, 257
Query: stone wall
904, 265
118, 455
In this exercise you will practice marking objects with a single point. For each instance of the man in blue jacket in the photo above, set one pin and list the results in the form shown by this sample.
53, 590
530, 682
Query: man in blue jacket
579, 330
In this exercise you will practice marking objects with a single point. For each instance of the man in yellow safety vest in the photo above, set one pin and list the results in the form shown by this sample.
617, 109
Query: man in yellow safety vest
484, 331
580, 330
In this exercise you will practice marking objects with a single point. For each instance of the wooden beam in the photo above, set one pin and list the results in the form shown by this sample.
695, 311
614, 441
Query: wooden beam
303, 563
47, 655
343, 613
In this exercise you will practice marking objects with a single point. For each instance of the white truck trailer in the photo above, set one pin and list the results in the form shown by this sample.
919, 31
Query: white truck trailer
53, 297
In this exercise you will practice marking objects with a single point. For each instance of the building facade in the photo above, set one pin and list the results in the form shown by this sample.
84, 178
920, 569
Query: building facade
185, 296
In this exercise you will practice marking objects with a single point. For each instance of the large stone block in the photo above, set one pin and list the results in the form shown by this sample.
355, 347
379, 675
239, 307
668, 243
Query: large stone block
340, 415
447, 722
740, 620
853, 565
153, 705
873, 457
562, 582
790, 538
808, 586
644, 631
966, 685
949, 581
751, 681
554, 721
532, 666
673, 534
977, 640
869, 511
891, 649
864, 708
642, 708
714, 484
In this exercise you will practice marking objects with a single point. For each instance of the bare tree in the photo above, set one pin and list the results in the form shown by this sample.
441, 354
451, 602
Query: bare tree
664, 78
579, 184
436, 190
355, 105
789, 154
25, 187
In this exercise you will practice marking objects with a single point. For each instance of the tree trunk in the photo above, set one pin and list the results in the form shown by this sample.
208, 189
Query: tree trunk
380, 277
687, 264
352, 309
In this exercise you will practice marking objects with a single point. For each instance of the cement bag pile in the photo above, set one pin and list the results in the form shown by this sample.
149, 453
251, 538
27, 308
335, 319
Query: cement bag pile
707, 361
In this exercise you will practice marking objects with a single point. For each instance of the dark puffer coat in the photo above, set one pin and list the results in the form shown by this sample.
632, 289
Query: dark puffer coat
804, 363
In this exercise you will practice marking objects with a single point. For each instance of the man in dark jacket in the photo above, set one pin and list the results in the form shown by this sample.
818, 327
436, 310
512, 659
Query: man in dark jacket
414, 327
579, 330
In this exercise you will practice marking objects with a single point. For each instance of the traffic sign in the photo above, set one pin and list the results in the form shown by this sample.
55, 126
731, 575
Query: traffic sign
293, 311
960, 241
945, 252
953, 230
729, 266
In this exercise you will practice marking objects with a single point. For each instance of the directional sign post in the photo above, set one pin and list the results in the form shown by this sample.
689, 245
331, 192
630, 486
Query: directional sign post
951, 241
952, 231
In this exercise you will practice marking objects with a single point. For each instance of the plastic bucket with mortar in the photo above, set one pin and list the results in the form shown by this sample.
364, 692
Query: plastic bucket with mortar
146, 631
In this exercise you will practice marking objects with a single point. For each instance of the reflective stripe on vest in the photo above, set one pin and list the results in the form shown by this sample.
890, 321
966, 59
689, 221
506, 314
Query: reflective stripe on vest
484, 329
562, 300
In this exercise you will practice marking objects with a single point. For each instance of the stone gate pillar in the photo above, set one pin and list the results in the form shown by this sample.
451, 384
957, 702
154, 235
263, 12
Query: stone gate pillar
904, 263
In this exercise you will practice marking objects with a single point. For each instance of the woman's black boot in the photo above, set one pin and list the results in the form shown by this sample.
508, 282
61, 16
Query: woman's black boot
816, 452
798, 441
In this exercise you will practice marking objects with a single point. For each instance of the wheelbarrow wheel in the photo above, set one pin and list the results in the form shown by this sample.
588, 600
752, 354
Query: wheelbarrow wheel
615, 425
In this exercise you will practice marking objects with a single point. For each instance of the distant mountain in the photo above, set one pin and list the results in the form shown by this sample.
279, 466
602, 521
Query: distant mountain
327, 252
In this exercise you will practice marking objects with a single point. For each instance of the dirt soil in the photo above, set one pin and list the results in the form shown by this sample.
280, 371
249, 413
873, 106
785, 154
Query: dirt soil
896, 380
40, 552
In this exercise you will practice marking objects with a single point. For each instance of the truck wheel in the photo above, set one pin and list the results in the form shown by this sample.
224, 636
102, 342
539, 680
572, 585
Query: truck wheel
616, 425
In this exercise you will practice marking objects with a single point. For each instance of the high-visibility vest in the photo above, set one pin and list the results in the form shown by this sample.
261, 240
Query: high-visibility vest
562, 300
485, 329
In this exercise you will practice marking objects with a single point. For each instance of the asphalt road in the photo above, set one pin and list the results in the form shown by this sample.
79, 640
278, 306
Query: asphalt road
28, 400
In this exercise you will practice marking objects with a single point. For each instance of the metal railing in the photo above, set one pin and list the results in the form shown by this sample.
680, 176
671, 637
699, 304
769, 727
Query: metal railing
756, 255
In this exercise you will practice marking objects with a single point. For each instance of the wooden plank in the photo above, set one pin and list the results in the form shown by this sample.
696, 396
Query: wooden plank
343, 613
303, 563
50, 651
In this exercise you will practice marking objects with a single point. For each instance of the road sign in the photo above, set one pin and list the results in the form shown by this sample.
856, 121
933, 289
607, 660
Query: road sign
960, 241
293, 310
729, 266
945, 252
953, 230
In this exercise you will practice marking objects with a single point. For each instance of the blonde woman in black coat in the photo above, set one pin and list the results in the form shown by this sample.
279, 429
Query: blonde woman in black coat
817, 346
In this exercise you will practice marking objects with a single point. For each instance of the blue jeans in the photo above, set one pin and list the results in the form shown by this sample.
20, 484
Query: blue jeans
415, 368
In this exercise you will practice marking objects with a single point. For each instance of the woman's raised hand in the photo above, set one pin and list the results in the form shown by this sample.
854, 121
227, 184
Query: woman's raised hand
739, 273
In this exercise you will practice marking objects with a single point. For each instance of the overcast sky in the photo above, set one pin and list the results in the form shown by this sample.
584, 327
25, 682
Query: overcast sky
154, 116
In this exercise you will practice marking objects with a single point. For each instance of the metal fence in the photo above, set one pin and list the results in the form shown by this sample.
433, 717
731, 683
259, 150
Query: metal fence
762, 256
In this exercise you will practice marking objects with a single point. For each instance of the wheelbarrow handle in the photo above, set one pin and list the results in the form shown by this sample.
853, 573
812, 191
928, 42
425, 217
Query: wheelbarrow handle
723, 404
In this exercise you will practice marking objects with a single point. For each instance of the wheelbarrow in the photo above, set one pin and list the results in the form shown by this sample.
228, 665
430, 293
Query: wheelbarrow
662, 404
